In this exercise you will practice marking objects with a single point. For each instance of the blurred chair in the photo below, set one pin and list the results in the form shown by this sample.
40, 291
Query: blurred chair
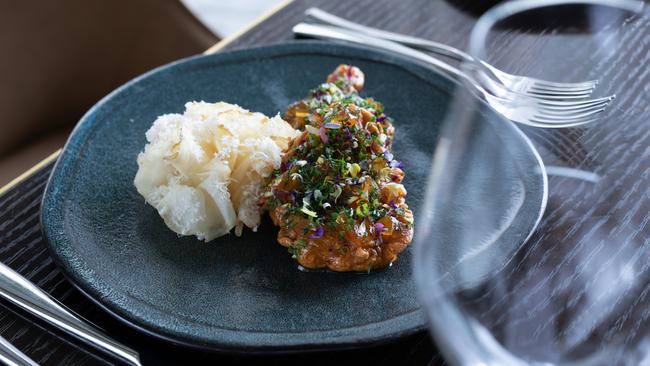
60, 57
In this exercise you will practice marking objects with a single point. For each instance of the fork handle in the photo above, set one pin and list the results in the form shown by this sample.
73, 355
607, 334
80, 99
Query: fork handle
329, 32
323, 17
12, 356
26, 295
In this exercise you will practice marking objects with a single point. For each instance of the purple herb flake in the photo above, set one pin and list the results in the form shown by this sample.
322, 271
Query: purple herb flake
318, 234
286, 165
323, 135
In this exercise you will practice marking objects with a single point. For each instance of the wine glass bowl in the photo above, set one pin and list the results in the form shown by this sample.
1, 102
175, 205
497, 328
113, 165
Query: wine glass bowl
501, 285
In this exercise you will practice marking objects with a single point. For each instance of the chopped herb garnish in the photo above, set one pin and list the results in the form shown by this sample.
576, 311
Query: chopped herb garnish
297, 247
308, 212
340, 175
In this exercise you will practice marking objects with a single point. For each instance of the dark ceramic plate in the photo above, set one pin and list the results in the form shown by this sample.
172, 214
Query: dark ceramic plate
246, 293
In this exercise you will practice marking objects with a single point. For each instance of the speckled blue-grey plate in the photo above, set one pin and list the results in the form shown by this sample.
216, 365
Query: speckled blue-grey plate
239, 293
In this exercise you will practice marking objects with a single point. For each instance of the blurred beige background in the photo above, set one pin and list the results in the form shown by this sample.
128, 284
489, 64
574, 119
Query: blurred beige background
60, 58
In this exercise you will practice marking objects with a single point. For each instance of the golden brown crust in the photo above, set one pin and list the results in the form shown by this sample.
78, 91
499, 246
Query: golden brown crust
366, 222
352, 253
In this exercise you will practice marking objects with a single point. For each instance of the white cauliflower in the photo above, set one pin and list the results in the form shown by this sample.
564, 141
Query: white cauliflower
203, 170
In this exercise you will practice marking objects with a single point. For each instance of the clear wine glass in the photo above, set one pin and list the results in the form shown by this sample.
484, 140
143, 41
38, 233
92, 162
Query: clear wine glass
533, 246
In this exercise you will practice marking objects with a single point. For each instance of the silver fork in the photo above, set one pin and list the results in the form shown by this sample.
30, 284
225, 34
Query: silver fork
26, 295
541, 89
524, 109
12, 356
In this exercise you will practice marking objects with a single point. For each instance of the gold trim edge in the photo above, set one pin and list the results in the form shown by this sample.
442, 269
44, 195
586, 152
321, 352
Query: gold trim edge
29, 172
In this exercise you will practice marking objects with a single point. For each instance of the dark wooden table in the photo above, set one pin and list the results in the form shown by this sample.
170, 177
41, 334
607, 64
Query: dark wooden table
626, 147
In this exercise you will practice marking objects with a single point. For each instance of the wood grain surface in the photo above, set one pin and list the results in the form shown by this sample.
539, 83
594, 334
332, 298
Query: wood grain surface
588, 228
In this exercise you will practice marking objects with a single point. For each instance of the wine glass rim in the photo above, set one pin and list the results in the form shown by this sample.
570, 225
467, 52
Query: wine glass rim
504, 10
